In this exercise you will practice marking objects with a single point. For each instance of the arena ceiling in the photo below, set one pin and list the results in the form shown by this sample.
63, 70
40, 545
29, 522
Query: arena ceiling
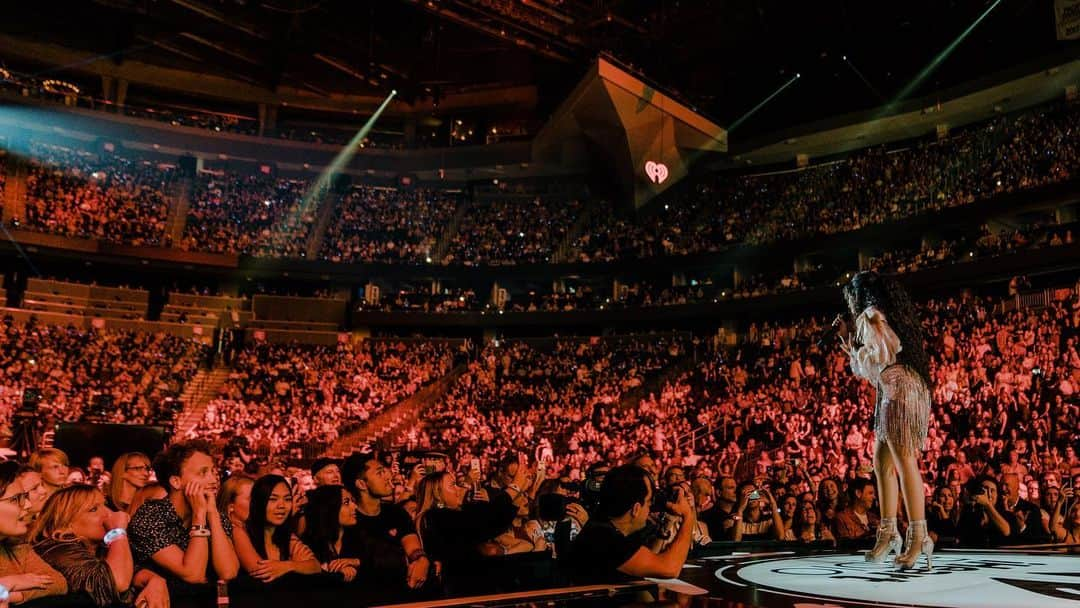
720, 56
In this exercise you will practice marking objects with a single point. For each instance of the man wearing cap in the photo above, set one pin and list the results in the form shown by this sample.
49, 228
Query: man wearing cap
326, 472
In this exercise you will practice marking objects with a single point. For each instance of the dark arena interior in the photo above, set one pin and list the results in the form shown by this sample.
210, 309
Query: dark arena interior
696, 303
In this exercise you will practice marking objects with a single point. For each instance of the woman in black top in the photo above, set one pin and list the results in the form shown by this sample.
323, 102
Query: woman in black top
330, 510
984, 522
943, 515
455, 533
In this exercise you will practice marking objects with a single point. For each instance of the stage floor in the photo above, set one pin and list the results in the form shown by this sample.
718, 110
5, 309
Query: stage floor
982, 579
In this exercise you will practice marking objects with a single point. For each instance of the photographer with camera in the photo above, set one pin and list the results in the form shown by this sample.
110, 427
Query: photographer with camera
590, 489
610, 547
560, 517
984, 522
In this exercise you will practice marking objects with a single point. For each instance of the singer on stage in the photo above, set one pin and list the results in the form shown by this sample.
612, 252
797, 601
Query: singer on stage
888, 351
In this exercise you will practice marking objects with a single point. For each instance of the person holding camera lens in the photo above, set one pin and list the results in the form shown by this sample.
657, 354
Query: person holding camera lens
611, 547
985, 522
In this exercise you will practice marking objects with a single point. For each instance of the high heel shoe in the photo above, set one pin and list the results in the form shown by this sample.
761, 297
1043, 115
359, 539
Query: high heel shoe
918, 543
888, 542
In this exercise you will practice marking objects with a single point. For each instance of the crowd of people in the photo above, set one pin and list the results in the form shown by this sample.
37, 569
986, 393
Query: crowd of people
110, 198
102, 197
780, 414
257, 215
517, 393
613, 457
873, 186
104, 375
512, 232
387, 225
987, 243
414, 299
279, 396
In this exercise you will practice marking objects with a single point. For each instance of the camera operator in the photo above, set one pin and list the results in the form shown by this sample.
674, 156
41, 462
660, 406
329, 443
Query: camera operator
984, 521
610, 547
669, 524
590, 488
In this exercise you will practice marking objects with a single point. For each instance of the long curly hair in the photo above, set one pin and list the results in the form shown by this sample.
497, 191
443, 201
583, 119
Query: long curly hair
867, 289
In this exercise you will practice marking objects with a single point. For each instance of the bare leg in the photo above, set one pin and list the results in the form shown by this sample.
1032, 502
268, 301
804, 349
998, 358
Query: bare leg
887, 539
885, 469
911, 484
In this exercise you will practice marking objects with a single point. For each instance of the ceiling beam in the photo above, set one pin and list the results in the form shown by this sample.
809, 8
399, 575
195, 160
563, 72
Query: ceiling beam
214, 15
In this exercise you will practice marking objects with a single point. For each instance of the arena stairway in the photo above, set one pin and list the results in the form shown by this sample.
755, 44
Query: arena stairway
197, 394
179, 194
438, 252
389, 422
654, 383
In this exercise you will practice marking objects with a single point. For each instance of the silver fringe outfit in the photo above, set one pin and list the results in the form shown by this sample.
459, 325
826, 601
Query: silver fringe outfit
902, 404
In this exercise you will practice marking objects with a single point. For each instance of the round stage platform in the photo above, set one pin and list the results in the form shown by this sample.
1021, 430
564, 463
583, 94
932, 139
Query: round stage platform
982, 579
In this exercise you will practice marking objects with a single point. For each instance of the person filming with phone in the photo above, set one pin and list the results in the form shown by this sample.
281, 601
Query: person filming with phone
611, 547
753, 520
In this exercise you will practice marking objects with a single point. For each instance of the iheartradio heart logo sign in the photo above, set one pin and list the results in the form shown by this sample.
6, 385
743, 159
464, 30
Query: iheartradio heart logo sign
656, 172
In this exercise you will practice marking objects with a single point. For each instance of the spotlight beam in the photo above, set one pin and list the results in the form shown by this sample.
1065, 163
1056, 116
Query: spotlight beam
870, 86
938, 59
322, 183
743, 118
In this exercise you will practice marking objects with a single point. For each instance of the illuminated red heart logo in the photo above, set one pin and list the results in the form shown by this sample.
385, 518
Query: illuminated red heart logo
657, 172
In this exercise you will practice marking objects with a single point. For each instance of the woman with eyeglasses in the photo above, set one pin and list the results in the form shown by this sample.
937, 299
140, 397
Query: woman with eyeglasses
267, 546
35, 487
87, 543
22, 572
130, 473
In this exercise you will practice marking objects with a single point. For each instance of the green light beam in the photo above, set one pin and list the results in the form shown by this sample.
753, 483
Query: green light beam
743, 118
858, 73
322, 183
936, 61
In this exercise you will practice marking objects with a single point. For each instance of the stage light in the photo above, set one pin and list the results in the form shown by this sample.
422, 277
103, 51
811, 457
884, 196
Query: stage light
872, 88
941, 57
322, 183
743, 118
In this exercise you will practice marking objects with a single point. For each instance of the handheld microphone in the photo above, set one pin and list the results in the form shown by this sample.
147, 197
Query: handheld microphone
830, 333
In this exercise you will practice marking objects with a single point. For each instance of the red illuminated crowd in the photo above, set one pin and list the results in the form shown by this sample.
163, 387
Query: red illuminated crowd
765, 441
106, 197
